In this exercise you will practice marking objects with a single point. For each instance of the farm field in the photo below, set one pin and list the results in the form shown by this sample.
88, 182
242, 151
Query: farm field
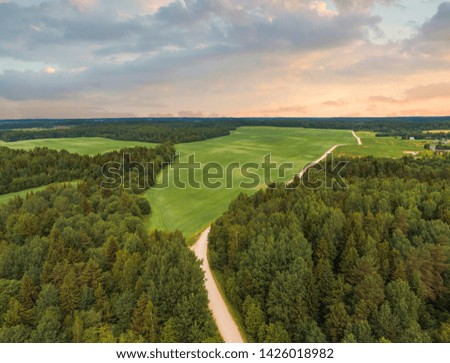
192, 209
81, 145
389, 147
23, 193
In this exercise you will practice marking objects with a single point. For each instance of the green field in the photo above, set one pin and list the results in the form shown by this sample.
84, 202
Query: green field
81, 145
192, 209
389, 147
23, 193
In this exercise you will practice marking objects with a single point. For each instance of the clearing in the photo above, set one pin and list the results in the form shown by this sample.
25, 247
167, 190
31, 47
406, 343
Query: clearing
23, 193
192, 209
389, 147
79, 145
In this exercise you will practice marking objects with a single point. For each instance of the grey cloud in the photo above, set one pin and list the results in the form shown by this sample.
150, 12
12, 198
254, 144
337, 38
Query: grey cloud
359, 5
171, 43
433, 37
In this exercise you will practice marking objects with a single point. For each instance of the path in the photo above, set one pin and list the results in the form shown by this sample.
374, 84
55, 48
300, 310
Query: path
357, 138
225, 322
305, 169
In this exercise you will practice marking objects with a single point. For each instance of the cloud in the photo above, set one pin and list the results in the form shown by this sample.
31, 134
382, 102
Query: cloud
359, 5
433, 36
118, 51
430, 91
293, 111
190, 114
49, 70
418, 93
264, 57
83, 5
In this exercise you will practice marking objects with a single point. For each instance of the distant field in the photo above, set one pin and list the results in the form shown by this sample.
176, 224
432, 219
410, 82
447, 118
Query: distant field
190, 210
380, 146
438, 131
81, 145
23, 193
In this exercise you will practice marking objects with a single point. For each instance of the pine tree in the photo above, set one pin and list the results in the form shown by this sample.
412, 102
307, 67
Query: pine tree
69, 293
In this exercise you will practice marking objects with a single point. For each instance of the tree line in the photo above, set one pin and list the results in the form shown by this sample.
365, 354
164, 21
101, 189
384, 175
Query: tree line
367, 263
21, 169
177, 130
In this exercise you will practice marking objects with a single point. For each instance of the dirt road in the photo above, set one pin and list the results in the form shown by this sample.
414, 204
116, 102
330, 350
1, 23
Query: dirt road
357, 138
305, 169
225, 322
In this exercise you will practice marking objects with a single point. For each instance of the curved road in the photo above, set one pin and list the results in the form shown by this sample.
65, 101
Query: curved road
305, 169
225, 322
357, 138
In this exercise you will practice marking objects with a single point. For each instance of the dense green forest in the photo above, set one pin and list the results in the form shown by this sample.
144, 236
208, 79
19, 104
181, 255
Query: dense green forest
179, 130
20, 170
157, 132
367, 263
78, 265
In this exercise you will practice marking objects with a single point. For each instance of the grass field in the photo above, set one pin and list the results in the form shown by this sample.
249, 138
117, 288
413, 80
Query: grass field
81, 145
23, 193
192, 209
390, 147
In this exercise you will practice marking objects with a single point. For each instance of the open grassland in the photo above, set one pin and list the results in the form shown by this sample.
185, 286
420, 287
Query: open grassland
192, 209
23, 193
81, 145
389, 147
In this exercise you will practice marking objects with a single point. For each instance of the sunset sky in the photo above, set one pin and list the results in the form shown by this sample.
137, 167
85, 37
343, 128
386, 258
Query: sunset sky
113, 58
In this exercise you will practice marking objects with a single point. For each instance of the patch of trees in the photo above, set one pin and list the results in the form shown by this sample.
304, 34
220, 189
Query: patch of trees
441, 146
369, 263
20, 169
77, 265
179, 130
147, 131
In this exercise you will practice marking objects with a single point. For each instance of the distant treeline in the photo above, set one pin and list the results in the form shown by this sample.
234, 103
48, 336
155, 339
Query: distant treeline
367, 263
20, 169
188, 130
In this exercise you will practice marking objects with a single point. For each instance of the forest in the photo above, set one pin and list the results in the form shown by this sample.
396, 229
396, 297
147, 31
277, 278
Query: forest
77, 264
366, 263
20, 170
180, 130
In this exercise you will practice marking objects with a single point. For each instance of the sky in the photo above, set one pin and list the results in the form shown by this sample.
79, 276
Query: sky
208, 58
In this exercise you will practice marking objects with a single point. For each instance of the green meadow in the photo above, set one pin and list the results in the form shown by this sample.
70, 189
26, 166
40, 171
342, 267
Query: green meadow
81, 145
192, 209
23, 193
389, 147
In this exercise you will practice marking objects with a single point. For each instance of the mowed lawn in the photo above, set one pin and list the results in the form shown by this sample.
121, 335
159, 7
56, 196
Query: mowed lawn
192, 209
23, 193
389, 147
81, 145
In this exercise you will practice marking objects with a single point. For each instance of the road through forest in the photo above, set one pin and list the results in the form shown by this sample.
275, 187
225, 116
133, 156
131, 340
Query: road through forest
225, 322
